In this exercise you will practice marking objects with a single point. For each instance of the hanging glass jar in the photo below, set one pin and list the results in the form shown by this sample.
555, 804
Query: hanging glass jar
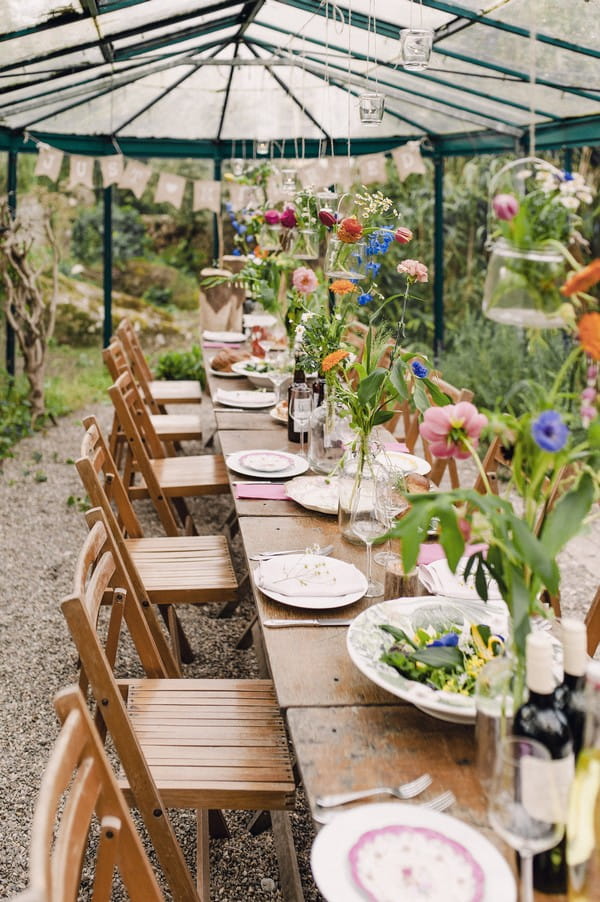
415, 48
345, 261
370, 107
269, 237
356, 484
306, 245
522, 285
329, 434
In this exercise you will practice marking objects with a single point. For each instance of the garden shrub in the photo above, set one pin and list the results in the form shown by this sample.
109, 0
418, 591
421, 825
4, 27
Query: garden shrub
128, 234
182, 365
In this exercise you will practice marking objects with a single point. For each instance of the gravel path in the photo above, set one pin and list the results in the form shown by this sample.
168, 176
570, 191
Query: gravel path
41, 530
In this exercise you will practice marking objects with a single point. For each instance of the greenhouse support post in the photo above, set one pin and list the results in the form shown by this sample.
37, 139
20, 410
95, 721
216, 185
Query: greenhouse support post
217, 249
108, 262
12, 206
438, 257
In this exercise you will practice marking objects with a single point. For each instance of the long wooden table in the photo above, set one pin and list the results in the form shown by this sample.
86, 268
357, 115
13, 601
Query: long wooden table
347, 733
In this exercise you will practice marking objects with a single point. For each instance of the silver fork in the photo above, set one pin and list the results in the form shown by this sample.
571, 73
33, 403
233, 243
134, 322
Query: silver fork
404, 791
441, 802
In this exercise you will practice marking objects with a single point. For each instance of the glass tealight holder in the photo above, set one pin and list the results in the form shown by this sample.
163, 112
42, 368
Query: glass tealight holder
238, 166
262, 148
327, 200
288, 181
415, 48
370, 107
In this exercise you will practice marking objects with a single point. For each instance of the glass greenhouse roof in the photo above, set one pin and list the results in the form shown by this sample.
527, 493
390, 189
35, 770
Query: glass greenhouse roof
210, 77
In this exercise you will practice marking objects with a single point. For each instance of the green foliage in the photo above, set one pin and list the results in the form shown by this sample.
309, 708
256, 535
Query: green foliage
129, 234
15, 413
182, 365
159, 295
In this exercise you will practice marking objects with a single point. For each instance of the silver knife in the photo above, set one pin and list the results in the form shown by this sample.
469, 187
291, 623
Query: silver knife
324, 551
329, 621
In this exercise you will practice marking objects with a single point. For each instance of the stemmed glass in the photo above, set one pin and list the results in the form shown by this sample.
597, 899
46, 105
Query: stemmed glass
367, 521
279, 369
523, 805
301, 400
391, 498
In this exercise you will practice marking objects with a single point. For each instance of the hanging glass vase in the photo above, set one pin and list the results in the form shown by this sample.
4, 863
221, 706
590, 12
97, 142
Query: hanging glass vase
522, 286
269, 237
415, 48
306, 245
356, 484
329, 435
345, 261
370, 107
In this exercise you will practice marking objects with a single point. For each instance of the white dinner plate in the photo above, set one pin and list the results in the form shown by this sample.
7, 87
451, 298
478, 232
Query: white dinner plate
366, 642
279, 412
266, 461
260, 380
296, 465
311, 572
225, 374
249, 400
315, 493
410, 463
262, 320
456, 852
225, 337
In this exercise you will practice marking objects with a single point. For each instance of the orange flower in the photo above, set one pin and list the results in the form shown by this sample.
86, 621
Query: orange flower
589, 334
349, 230
260, 253
333, 359
342, 286
583, 279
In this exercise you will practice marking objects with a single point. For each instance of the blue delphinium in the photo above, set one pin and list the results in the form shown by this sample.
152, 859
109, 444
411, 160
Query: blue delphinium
419, 369
449, 639
364, 298
549, 431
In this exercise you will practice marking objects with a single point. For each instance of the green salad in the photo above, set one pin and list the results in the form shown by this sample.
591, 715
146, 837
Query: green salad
257, 366
448, 659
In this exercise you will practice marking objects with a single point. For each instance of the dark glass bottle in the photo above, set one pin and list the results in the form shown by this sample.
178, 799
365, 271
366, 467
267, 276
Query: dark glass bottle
570, 694
540, 718
298, 379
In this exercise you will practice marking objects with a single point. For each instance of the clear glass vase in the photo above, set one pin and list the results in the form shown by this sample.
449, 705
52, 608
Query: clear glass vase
345, 261
356, 484
522, 286
328, 436
306, 245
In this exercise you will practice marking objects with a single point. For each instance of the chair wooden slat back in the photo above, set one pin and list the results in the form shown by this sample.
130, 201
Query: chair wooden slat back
79, 776
592, 623
134, 352
119, 359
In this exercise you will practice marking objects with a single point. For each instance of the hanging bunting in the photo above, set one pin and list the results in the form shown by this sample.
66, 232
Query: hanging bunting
340, 171
274, 191
49, 162
408, 160
170, 189
112, 169
372, 169
239, 195
207, 195
81, 172
135, 177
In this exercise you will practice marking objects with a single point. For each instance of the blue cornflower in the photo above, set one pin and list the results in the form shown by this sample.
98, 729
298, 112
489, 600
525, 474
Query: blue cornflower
364, 298
567, 176
236, 252
448, 639
549, 431
250, 239
419, 369
229, 207
242, 229
373, 268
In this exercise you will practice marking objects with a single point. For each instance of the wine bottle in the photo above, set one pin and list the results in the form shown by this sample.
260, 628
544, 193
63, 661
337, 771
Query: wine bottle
298, 381
583, 822
570, 694
539, 718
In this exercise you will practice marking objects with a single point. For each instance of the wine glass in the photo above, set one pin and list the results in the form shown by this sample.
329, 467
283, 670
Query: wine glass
391, 498
523, 805
279, 371
300, 409
368, 523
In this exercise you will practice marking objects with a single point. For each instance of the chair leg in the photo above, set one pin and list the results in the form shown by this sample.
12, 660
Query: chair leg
217, 825
202, 856
246, 639
289, 875
181, 647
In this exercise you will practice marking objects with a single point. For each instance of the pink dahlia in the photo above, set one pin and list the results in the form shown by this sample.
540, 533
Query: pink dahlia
272, 217
304, 280
448, 429
413, 270
288, 218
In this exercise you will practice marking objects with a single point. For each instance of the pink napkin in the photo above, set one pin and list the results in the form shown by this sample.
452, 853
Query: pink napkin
260, 490
219, 344
396, 446
433, 551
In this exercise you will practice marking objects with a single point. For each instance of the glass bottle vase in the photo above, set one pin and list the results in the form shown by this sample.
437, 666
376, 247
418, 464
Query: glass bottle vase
356, 484
345, 261
328, 436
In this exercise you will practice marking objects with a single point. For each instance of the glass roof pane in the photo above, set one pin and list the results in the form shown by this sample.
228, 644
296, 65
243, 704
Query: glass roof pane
153, 11
554, 18
170, 32
485, 44
16, 14
403, 13
39, 43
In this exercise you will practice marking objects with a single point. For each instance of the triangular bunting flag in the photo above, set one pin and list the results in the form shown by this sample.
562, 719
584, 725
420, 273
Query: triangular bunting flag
48, 162
169, 189
408, 160
135, 177
112, 169
372, 169
81, 171
207, 195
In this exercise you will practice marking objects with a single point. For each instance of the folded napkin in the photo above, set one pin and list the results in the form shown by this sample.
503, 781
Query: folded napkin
395, 446
254, 398
307, 576
219, 344
439, 579
433, 551
258, 490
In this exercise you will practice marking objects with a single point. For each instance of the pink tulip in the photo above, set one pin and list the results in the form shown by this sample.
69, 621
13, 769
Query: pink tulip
447, 428
288, 218
402, 235
272, 217
328, 218
304, 280
506, 206
415, 271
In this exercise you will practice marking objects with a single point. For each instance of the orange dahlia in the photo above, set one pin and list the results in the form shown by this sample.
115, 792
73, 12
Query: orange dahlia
583, 279
333, 359
589, 334
350, 230
342, 286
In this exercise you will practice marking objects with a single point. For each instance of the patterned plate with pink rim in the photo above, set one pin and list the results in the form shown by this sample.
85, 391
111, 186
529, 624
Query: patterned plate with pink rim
395, 851
266, 461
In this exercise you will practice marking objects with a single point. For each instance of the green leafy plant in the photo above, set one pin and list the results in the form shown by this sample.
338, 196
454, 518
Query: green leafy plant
182, 365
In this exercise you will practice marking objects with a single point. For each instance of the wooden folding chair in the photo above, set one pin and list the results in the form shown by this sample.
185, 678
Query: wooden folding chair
166, 480
199, 744
171, 428
157, 392
79, 789
165, 570
592, 623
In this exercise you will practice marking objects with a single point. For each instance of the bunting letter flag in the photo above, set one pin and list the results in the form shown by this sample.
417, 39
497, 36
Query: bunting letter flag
135, 177
49, 162
408, 160
170, 189
372, 169
112, 169
207, 195
81, 171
